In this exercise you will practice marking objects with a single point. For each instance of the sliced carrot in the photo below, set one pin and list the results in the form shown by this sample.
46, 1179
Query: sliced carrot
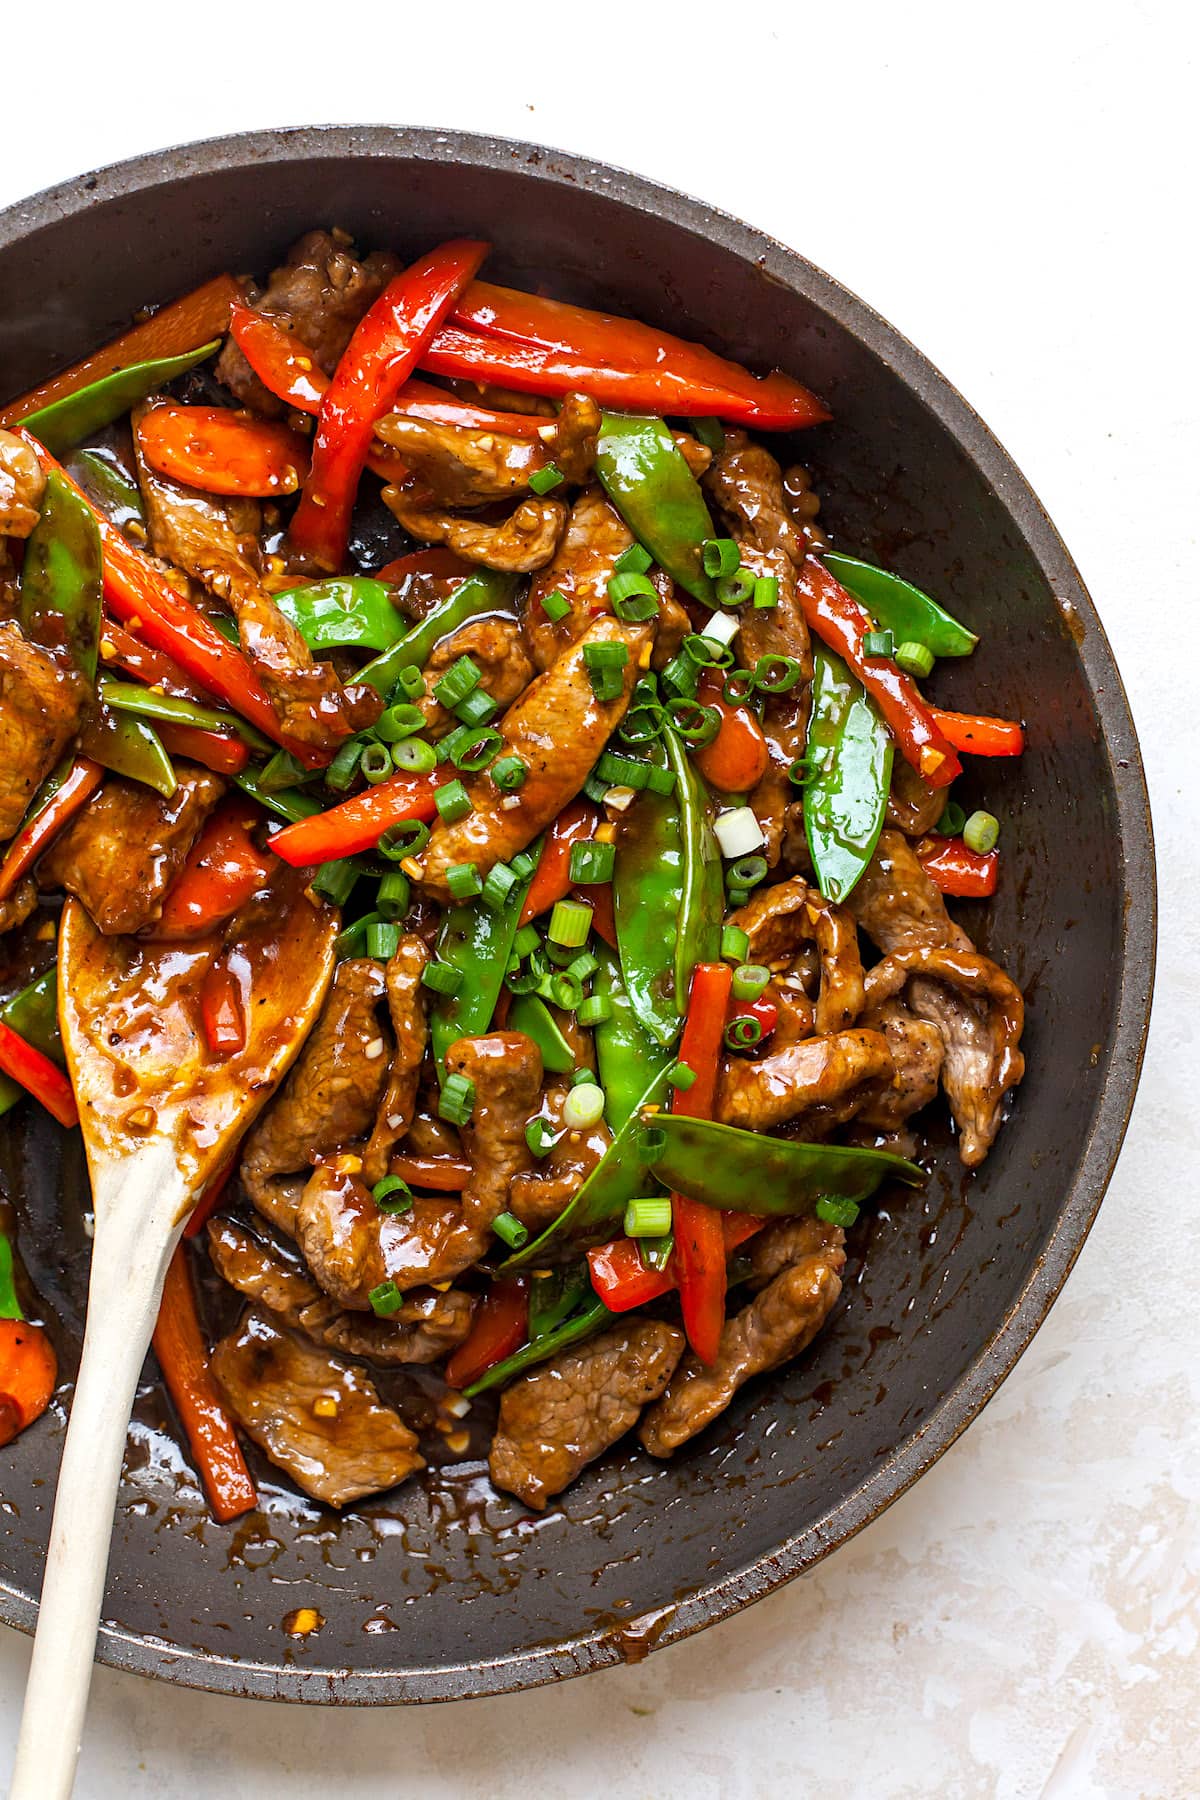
28, 1372
182, 1357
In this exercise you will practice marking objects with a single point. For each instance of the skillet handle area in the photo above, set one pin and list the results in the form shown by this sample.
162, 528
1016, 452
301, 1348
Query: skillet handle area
133, 1243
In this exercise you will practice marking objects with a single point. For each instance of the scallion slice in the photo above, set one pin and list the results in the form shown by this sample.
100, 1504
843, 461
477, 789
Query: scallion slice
720, 556
453, 802
591, 863
407, 837
544, 481
393, 896
463, 881
458, 681
456, 1102
648, 1217
583, 1106
981, 832
441, 978
509, 1229
392, 1195
749, 980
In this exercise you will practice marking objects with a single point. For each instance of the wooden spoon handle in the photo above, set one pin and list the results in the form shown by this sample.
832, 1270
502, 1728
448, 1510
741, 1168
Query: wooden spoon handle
129, 1261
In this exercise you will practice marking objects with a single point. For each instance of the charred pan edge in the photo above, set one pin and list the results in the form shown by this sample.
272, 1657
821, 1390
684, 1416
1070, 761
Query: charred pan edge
559, 169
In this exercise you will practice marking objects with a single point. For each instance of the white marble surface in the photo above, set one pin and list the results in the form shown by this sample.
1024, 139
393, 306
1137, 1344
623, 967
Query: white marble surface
1014, 188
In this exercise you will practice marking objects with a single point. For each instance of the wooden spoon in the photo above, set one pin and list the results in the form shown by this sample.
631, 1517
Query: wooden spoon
159, 1115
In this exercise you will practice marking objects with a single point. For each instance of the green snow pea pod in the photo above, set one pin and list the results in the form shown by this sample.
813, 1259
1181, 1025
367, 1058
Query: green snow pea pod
571, 1331
554, 1295
625, 1054
848, 773
899, 607
645, 475
101, 475
33, 1015
487, 591
148, 703
346, 609
531, 1015
746, 1171
477, 940
66, 422
130, 747
62, 585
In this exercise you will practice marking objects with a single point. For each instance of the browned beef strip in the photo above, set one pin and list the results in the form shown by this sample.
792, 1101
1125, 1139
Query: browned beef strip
426, 1327
779, 919
496, 648
467, 466
406, 1010
41, 703
776, 1326
788, 1241
596, 535
123, 851
898, 906
20, 903
538, 1195
320, 293
917, 1053
22, 484
274, 1381
912, 807
821, 1080
562, 1415
525, 540
329, 1099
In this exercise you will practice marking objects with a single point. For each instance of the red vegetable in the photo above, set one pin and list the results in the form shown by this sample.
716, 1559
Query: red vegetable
980, 735
598, 895
183, 1359
37, 836
35, 1072
222, 1010
358, 824
223, 452
763, 1011
380, 356
223, 869
622, 1280
28, 1372
611, 342
699, 1256
576, 824
437, 563
223, 755
154, 667
839, 620
736, 759
442, 1174
956, 870
500, 1326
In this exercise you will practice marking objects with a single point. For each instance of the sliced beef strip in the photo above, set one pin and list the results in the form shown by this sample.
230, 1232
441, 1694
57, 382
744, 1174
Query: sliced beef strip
819, 1082
42, 699
912, 807
786, 1242
320, 293
121, 854
776, 1326
779, 918
351, 1247
538, 1195
526, 540
406, 1010
917, 1053
559, 1417
496, 648
426, 1327
20, 903
596, 535
471, 466
558, 728
898, 906
22, 484
329, 1099
274, 1380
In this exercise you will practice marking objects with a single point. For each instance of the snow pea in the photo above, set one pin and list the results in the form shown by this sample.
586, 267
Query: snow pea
746, 1171
477, 940
33, 1014
102, 476
66, 422
346, 609
149, 703
626, 1055
571, 1331
554, 1294
668, 895
10, 1305
62, 587
645, 475
848, 772
130, 747
899, 607
487, 591
532, 1016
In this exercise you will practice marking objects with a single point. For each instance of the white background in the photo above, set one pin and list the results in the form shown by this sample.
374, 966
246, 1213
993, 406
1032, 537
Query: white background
1014, 187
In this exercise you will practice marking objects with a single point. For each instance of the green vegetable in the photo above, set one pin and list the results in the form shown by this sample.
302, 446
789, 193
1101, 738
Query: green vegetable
534, 1018
10, 1306
33, 1015
477, 940
572, 1331
148, 703
456, 1101
981, 832
290, 804
509, 1229
66, 422
745, 1171
554, 1294
849, 771
487, 591
901, 608
346, 609
667, 893
627, 1056
645, 475
62, 586
102, 476
129, 747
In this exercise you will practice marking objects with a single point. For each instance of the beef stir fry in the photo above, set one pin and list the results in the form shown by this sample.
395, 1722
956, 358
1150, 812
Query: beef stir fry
511, 628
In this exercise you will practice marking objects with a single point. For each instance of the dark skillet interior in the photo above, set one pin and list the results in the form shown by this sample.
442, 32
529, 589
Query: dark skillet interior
444, 1588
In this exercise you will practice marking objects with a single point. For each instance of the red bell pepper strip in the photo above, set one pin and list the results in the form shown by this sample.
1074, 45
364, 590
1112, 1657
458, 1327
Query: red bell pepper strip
39, 833
28, 1373
610, 342
699, 1255
359, 823
437, 563
763, 1011
500, 1326
154, 667
182, 1357
222, 1010
224, 868
35, 1072
576, 824
956, 870
441, 1174
211, 1200
979, 735
736, 759
599, 896
383, 352
223, 452
841, 622
622, 1280
223, 755
135, 590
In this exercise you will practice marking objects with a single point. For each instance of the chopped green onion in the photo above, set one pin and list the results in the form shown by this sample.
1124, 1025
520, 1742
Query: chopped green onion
526, 940
351, 941
656, 1253
739, 687
633, 596
636, 560
595, 790
477, 708
399, 721
570, 923
622, 771
591, 863
735, 943
707, 652
563, 990
604, 663
736, 897
981, 832
441, 978
376, 762
835, 1211
499, 885
721, 628
334, 881
697, 725
583, 967
414, 756
556, 606
407, 837
642, 724
749, 980
385, 1299
409, 683
594, 1011
579, 1077
583, 1106
735, 589
878, 643
463, 880
776, 674
392, 1195
952, 820
766, 590
680, 677
720, 556
544, 481
648, 1217
509, 774
393, 896
914, 658
453, 742
681, 1075
743, 1031
523, 864
747, 872
738, 831
651, 1144
521, 981
456, 1102
383, 940
453, 802
509, 1229
540, 1137
476, 750
798, 772
344, 767
458, 682
283, 771
660, 781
